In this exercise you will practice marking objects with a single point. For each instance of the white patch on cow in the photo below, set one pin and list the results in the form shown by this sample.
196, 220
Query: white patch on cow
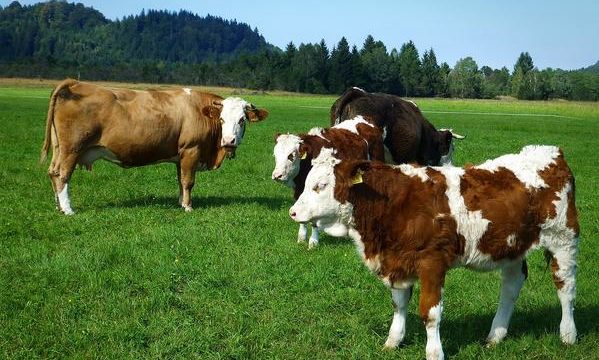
373, 263
287, 159
313, 241
187, 91
511, 240
317, 131
352, 124
64, 201
233, 120
470, 224
413, 171
525, 165
317, 202
384, 133
447, 159
512, 279
302, 233
433, 338
397, 330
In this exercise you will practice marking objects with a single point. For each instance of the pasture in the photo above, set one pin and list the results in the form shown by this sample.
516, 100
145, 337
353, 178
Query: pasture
132, 275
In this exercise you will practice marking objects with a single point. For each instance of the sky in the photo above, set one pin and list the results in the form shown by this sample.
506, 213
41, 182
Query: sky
557, 34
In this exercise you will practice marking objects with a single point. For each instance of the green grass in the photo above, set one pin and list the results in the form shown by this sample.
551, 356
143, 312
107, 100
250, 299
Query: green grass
133, 276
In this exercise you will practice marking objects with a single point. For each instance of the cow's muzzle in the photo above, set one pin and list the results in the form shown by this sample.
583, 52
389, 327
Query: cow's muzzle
230, 150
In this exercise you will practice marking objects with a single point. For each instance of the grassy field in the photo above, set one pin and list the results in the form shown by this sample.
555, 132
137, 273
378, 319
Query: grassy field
133, 276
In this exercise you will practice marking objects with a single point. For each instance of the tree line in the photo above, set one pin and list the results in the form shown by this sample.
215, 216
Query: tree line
59, 39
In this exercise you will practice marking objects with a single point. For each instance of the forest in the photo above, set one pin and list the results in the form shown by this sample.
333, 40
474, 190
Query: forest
57, 39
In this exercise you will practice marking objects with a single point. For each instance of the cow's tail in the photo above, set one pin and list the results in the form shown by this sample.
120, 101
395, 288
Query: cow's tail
50, 118
348, 96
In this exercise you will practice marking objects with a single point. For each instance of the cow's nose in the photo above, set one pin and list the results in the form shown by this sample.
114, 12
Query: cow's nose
229, 141
292, 213
277, 176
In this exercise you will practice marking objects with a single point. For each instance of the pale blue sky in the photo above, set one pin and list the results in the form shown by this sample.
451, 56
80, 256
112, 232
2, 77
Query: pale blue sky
559, 34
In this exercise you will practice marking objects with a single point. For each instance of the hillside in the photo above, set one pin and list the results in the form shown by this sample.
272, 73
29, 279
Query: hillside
63, 32
592, 68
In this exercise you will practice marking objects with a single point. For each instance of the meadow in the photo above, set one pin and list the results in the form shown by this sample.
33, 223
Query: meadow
132, 275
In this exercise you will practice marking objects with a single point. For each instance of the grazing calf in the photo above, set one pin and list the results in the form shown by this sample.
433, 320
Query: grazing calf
408, 135
415, 223
192, 129
353, 139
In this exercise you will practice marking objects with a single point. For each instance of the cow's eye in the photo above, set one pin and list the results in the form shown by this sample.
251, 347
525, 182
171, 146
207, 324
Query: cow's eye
291, 157
319, 187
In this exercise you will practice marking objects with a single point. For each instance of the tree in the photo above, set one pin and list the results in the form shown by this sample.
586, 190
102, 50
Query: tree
340, 75
431, 74
409, 69
465, 79
376, 65
524, 77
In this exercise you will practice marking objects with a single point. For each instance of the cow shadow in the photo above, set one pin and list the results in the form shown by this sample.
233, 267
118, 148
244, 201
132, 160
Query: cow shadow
200, 202
458, 332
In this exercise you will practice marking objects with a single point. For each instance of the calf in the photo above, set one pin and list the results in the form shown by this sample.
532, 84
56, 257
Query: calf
414, 223
192, 129
352, 139
409, 136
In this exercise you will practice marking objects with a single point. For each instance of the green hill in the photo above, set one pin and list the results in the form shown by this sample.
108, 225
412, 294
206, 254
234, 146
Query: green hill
58, 31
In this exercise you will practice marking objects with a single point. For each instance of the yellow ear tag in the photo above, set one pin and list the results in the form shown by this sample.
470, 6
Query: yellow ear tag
304, 156
357, 179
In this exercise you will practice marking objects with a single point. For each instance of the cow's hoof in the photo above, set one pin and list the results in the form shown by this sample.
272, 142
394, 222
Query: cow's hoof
68, 212
187, 208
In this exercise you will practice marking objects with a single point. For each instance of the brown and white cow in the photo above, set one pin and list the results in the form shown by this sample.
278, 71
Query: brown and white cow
194, 130
352, 139
415, 223
409, 136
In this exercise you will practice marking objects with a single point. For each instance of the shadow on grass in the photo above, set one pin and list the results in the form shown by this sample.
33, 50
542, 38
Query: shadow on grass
200, 202
466, 330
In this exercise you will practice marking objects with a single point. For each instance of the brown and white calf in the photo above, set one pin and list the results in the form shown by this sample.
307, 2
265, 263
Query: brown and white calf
194, 130
408, 135
415, 223
352, 139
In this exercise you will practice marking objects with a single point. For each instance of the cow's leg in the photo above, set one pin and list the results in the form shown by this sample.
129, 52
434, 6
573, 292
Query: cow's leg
397, 331
65, 164
188, 166
302, 233
313, 242
563, 266
431, 307
512, 279
54, 168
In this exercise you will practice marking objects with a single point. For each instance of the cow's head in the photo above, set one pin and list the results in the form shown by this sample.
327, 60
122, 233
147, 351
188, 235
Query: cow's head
446, 137
234, 113
320, 202
287, 157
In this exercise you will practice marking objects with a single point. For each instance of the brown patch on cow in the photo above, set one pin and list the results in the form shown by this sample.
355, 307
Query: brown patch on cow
559, 283
506, 203
161, 97
401, 219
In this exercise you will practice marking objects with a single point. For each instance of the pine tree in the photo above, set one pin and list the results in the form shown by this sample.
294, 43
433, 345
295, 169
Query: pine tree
431, 75
409, 69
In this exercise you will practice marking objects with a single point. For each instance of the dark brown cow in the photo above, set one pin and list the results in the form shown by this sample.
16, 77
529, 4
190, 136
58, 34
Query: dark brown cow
192, 129
352, 139
416, 223
409, 136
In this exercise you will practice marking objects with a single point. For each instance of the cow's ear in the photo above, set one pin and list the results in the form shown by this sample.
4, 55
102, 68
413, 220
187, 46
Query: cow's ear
211, 112
305, 151
353, 171
255, 115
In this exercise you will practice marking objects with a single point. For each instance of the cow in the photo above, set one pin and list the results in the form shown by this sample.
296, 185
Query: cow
409, 136
195, 130
352, 139
414, 223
